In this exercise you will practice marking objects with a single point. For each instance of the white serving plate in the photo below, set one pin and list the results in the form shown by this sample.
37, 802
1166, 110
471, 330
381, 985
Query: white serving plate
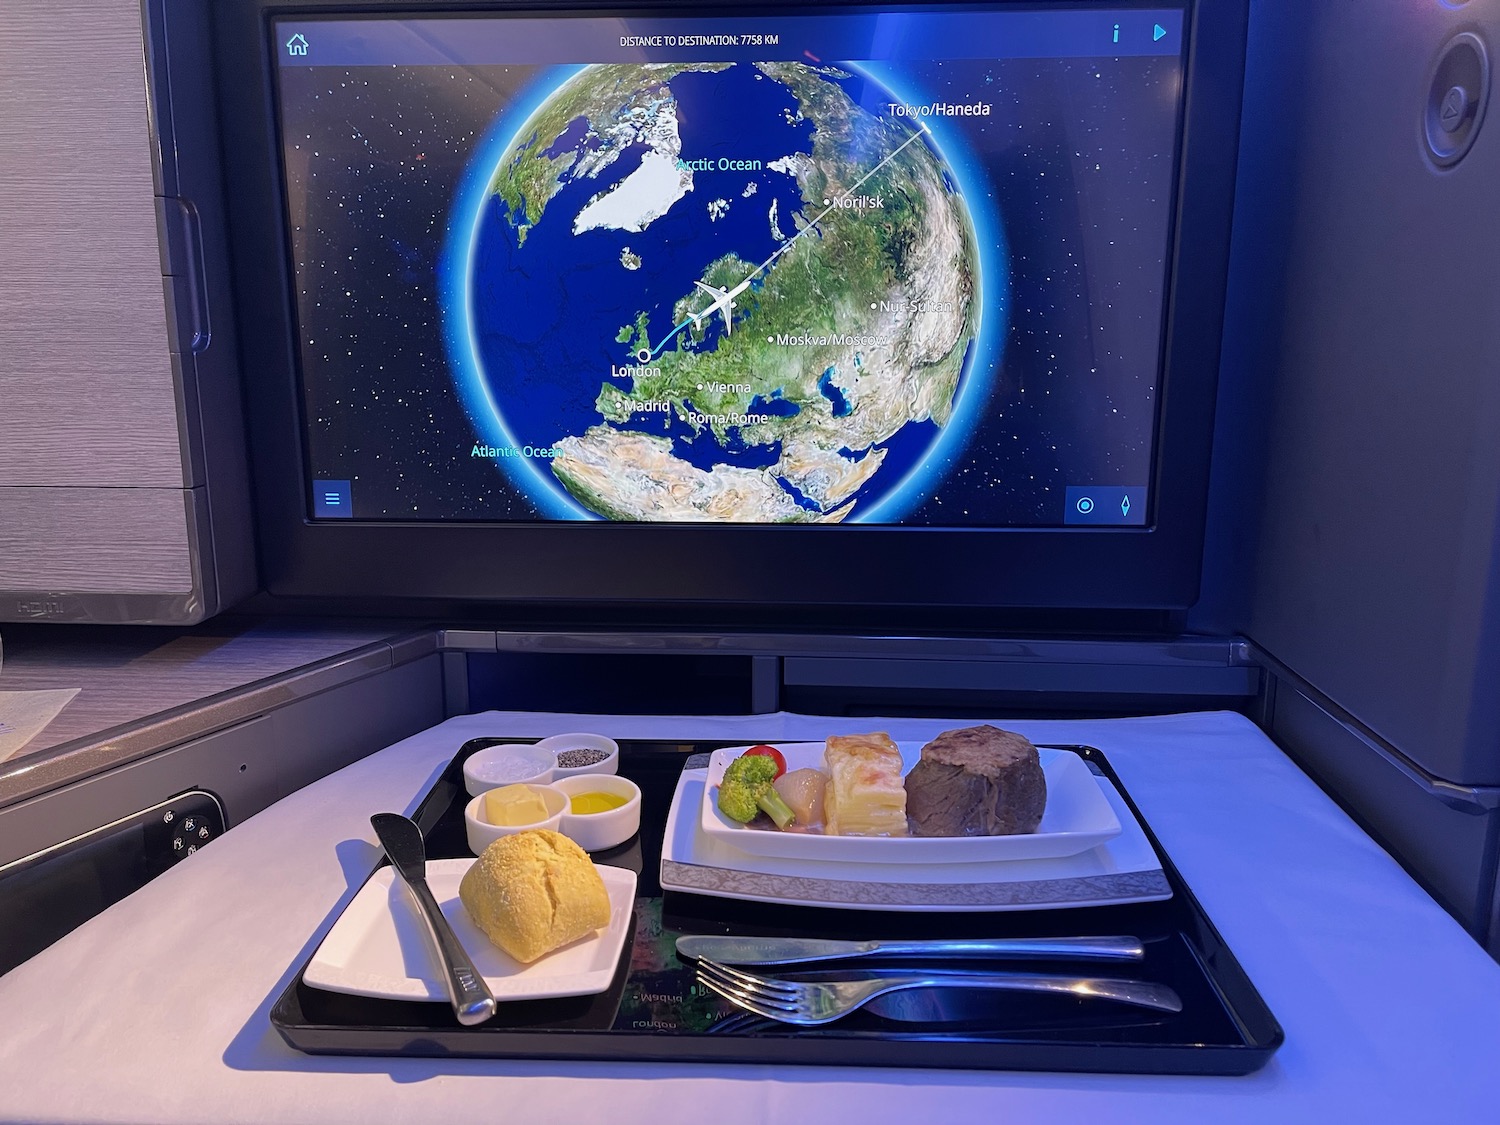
377, 947
1077, 817
1122, 870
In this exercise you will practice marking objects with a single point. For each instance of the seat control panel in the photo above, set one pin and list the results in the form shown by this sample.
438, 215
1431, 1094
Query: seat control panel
48, 894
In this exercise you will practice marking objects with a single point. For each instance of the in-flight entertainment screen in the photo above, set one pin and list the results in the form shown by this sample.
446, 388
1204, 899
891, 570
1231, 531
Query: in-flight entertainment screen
894, 268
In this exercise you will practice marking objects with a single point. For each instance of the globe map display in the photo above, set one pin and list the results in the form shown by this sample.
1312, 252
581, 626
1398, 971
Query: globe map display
736, 292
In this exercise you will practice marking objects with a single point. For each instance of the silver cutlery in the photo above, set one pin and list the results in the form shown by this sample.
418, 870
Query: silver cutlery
796, 951
402, 840
812, 1003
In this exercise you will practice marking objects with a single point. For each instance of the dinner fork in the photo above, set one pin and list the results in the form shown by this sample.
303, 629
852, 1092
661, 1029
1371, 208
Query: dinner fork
811, 1003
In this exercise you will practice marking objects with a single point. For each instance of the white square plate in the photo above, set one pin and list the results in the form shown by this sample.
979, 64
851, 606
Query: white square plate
1077, 817
1125, 869
377, 947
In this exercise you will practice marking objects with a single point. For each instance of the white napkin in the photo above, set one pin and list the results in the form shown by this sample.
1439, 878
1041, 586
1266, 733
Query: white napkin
24, 714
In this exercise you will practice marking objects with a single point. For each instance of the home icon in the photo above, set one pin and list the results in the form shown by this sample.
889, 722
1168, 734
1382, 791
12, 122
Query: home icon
296, 45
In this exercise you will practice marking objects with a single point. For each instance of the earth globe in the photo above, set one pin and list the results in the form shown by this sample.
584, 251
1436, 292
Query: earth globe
722, 292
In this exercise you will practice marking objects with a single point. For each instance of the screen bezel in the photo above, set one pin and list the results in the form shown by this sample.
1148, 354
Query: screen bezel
710, 568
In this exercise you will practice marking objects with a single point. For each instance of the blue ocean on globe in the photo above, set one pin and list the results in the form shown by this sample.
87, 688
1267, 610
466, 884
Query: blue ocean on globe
547, 305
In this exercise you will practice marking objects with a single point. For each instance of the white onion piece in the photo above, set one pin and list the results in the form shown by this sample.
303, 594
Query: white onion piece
803, 791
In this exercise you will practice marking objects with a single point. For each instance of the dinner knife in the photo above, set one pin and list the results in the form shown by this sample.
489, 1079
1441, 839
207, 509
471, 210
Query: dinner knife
793, 950
470, 995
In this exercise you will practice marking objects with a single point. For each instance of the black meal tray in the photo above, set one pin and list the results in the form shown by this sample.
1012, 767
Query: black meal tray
653, 1010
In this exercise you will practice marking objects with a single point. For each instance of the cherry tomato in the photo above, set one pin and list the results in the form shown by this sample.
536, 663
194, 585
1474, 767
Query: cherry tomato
772, 753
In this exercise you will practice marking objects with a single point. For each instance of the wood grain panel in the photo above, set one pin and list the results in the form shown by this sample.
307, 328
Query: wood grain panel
86, 390
108, 540
131, 673
109, 424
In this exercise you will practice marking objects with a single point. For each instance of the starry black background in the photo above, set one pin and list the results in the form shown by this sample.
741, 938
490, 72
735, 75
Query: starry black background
1079, 159
374, 157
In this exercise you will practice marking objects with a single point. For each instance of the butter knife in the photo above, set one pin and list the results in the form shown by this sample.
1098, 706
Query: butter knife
794, 951
467, 991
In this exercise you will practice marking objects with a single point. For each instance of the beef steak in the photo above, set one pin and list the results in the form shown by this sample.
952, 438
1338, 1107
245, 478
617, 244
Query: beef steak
978, 781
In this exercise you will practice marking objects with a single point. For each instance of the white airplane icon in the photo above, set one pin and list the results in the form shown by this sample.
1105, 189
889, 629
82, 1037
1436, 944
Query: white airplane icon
723, 302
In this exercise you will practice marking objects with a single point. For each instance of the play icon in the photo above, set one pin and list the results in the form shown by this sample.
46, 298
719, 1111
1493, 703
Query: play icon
1158, 32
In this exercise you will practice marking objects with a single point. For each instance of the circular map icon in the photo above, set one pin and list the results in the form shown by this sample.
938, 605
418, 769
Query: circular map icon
722, 292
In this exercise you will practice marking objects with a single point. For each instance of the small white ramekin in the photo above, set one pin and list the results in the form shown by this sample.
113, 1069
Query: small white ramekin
594, 832
558, 743
482, 833
509, 763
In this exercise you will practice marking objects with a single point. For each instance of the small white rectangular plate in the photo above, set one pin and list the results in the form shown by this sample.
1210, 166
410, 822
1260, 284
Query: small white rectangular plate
1077, 817
1123, 870
378, 948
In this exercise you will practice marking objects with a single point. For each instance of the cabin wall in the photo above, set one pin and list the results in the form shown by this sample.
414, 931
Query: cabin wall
119, 401
1355, 518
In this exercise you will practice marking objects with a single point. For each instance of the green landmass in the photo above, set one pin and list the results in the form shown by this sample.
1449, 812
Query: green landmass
824, 284
640, 336
856, 275
613, 404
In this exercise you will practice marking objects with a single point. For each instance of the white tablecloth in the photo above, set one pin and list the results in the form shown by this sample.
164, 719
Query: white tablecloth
157, 1010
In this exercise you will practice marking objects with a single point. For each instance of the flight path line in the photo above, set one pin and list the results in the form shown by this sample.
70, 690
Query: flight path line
922, 130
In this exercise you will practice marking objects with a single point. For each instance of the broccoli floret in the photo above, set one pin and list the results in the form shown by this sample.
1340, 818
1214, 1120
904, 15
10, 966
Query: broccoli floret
756, 769
746, 788
737, 800
743, 781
